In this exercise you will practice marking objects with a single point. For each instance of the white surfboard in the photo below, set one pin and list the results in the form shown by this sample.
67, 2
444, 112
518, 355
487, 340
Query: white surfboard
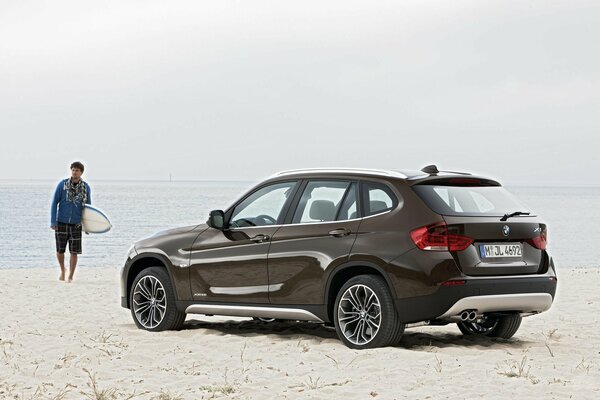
94, 221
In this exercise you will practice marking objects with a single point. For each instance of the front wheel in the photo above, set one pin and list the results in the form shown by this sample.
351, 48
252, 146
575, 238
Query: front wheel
365, 315
504, 326
152, 301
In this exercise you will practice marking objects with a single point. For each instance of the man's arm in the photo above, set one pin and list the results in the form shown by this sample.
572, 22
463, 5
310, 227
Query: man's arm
89, 194
54, 206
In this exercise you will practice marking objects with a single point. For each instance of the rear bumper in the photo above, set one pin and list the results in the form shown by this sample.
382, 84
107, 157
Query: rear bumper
522, 302
526, 294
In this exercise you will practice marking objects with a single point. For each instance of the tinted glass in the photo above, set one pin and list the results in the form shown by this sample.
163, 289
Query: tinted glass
320, 201
378, 198
469, 200
262, 207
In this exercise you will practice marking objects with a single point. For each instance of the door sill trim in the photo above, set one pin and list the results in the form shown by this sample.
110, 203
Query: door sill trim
253, 311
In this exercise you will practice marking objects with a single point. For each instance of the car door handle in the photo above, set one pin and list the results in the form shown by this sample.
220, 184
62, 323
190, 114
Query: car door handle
340, 232
260, 238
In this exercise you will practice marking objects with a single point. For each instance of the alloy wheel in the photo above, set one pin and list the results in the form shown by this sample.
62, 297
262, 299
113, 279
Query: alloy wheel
359, 314
149, 302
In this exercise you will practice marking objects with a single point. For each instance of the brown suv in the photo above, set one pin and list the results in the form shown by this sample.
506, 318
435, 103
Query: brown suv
368, 251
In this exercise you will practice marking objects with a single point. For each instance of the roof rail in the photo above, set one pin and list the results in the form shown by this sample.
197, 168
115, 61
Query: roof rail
355, 170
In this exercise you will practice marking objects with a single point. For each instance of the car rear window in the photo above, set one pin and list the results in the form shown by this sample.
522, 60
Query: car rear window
469, 200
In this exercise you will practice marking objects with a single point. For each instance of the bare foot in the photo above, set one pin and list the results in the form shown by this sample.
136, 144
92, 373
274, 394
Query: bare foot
62, 276
70, 280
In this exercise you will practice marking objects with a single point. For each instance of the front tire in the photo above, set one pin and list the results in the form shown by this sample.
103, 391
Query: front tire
493, 326
364, 315
152, 301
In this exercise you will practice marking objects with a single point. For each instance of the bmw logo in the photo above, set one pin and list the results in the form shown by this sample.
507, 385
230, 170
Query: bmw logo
505, 230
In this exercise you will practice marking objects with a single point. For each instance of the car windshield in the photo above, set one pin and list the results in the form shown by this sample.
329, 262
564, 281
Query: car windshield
469, 200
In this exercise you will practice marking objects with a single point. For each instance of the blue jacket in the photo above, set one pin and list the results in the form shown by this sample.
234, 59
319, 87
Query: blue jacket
69, 211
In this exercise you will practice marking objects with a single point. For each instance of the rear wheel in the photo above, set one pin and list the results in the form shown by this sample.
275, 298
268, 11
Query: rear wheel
364, 314
152, 301
504, 326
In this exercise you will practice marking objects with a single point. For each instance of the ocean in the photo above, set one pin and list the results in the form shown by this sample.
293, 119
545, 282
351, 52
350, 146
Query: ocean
140, 209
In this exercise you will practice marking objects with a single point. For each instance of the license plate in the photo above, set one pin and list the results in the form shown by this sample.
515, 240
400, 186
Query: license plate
502, 250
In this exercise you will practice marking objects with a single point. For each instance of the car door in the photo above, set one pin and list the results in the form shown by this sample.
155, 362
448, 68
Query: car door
319, 234
231, 265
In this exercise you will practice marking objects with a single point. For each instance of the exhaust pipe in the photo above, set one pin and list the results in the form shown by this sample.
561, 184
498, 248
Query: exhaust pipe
468, 315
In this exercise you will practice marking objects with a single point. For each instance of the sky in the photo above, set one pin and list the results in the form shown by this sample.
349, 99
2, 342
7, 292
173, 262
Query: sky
237, 90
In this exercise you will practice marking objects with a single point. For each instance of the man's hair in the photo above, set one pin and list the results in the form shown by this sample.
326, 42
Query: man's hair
77, 164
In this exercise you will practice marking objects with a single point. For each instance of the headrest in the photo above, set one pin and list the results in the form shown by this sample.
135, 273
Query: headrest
377, 205
322, 210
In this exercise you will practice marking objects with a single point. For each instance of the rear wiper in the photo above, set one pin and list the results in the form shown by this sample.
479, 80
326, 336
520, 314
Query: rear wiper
507, 216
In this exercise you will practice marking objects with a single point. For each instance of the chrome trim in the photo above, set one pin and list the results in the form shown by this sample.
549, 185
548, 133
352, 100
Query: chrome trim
474, 278
366, 171
523, 302
245, 289
253, 311
313, 223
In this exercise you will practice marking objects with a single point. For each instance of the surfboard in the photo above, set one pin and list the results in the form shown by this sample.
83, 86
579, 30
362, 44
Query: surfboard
94, 221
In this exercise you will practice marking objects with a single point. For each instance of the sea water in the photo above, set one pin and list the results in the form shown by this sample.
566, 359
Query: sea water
140, 209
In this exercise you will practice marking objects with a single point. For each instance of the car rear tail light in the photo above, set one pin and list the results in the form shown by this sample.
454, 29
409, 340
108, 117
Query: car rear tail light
436, 237
539, 242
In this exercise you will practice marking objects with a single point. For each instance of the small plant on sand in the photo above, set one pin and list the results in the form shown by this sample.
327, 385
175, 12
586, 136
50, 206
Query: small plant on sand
231, 384
583, 366
519, 369
64, 360
316, 383
551, 334
549, 349
166, 396
226, 388
438, 365
96, 393
311, 384
108, 344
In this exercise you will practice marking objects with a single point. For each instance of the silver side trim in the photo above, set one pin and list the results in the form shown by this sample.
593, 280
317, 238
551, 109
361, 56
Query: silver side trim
313, 223
523, 302
253, 311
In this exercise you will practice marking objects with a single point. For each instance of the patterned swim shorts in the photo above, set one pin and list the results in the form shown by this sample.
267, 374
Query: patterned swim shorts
68, 233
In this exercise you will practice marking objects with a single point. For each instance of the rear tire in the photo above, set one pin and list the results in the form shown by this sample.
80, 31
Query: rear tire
152, 301
503, 327
364, 314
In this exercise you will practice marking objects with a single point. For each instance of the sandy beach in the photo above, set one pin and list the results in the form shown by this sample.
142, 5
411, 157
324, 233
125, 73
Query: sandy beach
74, 341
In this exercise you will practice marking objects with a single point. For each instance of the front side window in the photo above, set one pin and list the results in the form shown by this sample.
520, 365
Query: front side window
262, 207
321, 201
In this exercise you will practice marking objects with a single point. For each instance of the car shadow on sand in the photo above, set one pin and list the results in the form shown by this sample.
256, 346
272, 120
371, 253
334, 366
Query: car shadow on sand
411, 340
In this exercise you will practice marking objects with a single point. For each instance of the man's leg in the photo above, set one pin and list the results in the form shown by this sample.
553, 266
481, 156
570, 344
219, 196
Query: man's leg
74, 248
60, 235
61, 262
72, 265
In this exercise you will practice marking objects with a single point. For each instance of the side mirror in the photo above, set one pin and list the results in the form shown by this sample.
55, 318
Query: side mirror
216, 219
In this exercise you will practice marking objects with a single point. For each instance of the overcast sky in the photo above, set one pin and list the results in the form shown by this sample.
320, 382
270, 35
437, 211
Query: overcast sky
237, 90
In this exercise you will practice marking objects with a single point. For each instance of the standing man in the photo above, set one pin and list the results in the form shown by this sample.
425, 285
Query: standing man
65, 217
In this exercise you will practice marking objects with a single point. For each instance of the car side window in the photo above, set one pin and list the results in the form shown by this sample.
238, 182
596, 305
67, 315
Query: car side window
320, 201
262, 207
378, 198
